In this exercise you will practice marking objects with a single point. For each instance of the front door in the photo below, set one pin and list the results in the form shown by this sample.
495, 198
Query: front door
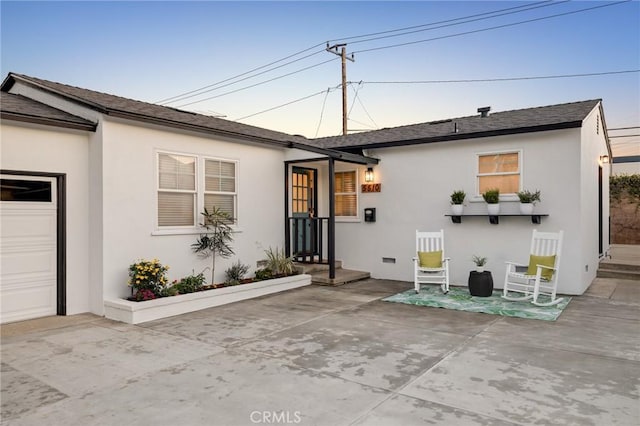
303, 205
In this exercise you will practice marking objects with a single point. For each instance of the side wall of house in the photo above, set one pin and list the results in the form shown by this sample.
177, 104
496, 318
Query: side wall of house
417, 182
592, 148
130, 197
33, 148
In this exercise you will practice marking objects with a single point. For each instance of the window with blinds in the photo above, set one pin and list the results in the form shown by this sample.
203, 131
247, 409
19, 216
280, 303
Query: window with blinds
500, 170
176, 190
220, 186
346, 187
187, 184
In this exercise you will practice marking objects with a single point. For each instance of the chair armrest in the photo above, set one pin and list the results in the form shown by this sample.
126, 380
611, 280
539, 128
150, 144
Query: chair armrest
446, 259
546, 267
515, 263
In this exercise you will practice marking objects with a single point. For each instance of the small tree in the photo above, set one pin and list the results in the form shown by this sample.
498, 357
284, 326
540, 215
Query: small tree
218, 238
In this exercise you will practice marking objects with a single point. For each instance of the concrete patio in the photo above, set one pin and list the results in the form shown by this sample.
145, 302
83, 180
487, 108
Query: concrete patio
331, 356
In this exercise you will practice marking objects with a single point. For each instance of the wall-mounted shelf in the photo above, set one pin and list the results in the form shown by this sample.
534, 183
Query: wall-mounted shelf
495, 219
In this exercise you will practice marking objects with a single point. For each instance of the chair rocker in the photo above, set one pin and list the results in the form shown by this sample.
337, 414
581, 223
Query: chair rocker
540, 276
430, 264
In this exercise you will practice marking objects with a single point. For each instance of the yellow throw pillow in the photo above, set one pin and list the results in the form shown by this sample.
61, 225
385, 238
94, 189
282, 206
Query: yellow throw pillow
549, 261
430, 259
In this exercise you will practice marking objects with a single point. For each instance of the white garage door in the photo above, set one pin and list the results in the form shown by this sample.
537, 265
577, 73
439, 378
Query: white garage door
28, 281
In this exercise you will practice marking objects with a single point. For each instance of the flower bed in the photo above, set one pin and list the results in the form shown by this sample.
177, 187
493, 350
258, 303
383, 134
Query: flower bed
133, 312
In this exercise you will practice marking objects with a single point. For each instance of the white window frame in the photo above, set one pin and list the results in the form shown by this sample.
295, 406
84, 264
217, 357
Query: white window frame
503, 196
199, 193
355, 218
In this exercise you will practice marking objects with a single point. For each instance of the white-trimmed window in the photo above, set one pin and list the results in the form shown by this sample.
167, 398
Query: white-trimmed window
220, 185
189, 183
346, 187
176, 190
499, 170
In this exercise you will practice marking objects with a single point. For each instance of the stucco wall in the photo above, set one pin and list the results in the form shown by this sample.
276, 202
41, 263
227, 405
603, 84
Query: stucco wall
129, 202
35, 148
416, 184
593, 146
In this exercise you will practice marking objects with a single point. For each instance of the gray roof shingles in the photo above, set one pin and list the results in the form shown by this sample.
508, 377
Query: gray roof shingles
507, 122
20, 107
107, 103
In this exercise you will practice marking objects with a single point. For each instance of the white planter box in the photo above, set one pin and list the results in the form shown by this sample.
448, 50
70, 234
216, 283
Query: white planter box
139, 312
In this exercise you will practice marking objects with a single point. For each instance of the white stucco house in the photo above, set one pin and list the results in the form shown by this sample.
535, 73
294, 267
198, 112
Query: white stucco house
91, 182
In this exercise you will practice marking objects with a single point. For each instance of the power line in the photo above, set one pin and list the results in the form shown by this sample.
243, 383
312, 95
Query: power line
257, 84
491, 28
365, 108
247, 72
192, 94
433, 23
288, 103
488, 80
452, 23
322, 110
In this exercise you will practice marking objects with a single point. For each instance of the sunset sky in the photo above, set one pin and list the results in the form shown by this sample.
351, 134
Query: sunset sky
408, 72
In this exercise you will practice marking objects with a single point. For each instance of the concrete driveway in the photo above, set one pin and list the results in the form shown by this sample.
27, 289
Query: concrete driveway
331, 356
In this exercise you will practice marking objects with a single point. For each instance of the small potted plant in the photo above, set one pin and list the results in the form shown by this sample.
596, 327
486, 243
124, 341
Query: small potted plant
480, 262
457, 202
528, 200
492, 198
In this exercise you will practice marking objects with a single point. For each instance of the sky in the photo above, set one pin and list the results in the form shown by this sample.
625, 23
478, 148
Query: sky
265, 64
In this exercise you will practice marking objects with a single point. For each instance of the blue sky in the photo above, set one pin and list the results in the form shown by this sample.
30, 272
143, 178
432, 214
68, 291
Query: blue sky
154, 50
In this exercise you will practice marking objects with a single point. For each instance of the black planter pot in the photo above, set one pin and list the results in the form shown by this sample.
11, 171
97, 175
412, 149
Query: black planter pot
480, 283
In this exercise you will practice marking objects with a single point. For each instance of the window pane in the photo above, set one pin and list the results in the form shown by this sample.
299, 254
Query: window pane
220, 176
226, 203
346, 205
507, 184
25, 190
345, 181
176, 209
177, 172
499, 163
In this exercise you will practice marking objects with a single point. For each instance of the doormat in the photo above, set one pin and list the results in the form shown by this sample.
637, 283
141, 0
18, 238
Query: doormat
459, 299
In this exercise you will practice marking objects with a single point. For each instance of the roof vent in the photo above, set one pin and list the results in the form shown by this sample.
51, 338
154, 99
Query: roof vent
484, 111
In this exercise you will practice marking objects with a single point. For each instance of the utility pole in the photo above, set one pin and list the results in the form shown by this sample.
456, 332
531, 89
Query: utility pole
343, 54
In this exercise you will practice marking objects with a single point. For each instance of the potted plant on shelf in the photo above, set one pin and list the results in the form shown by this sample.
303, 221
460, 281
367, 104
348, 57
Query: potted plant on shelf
492, 198
528, 200
457, 202
480, 262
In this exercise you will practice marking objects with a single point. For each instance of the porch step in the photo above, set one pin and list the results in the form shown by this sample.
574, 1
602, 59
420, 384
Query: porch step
310, 268
618, 273
623, 264
343, 276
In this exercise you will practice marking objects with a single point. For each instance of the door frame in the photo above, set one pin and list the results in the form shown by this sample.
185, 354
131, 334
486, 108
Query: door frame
61, 232
313, 248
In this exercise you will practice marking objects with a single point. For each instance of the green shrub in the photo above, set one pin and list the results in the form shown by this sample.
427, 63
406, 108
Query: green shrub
190, 283
236, 273
492, 196
264, 274
278, 262
622, 185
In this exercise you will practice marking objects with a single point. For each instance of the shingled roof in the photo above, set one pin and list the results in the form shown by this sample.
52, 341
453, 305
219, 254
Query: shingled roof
563, 116
117, 106
20, 108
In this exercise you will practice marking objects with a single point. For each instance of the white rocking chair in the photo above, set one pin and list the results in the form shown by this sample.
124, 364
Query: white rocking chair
430, 264
540, 276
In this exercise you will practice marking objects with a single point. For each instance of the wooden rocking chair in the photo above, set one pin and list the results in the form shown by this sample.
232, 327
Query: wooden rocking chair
540, 276
430, 264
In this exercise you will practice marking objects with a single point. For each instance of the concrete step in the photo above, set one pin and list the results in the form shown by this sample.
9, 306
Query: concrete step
619, 266
619, 273
310, 268
343, 276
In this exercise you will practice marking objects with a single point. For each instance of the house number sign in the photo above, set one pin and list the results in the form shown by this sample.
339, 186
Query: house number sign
371, 187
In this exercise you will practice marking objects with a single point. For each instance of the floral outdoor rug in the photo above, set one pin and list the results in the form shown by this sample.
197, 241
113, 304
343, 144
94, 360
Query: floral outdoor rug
459, 299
